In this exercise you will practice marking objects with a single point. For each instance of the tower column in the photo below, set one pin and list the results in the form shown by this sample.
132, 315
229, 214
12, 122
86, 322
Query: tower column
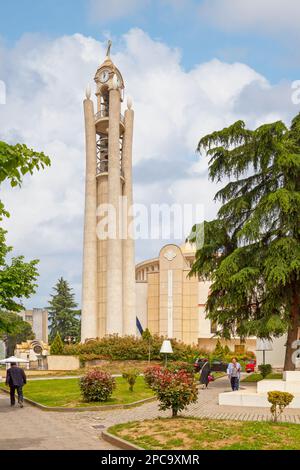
114, 324
129, 307
89, 275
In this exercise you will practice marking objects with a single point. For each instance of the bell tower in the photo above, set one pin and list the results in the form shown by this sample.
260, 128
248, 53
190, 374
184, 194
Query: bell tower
108, 283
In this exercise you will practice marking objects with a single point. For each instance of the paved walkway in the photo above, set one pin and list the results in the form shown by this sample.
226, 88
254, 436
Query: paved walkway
31, 428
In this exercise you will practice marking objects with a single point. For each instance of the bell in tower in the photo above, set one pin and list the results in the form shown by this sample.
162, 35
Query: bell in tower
108, 284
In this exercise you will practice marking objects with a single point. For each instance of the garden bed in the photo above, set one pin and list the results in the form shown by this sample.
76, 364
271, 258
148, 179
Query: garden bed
255, 377
65, 393
197, 434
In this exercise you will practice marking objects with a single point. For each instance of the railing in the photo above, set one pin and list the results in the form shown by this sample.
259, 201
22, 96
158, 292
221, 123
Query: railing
104, 114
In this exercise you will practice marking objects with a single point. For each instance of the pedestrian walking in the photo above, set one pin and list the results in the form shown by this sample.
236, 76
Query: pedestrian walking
16, 379
234, 374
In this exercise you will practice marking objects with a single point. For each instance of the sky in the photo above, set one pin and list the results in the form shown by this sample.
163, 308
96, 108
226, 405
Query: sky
190, 66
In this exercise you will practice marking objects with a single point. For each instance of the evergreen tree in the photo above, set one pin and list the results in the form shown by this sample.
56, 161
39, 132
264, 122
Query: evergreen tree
251, 253
63, 313
57, 347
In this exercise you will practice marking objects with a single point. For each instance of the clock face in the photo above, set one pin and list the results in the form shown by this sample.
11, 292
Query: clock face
104, 76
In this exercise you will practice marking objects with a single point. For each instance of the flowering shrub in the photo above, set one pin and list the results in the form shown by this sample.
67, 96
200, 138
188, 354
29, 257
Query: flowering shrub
97, 385
152, 375
175, 390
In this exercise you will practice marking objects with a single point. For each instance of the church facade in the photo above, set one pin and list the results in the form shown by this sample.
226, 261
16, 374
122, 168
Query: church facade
172, 304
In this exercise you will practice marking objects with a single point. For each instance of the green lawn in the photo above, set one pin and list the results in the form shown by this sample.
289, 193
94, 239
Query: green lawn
255, 377
196, 434
66, 393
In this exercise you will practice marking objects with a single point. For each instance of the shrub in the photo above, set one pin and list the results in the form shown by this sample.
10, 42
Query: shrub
219, 351
114, 347
152, 375
57, 346
176, 366
131, 377
97, 385
265, 369
175, 390
279, 401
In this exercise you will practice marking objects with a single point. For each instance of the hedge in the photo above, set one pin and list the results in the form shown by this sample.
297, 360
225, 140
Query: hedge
114, 347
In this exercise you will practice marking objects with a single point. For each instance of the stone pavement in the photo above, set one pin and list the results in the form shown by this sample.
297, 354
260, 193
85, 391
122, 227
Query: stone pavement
31, 428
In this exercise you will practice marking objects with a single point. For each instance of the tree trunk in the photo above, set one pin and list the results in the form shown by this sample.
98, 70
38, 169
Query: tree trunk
292, 331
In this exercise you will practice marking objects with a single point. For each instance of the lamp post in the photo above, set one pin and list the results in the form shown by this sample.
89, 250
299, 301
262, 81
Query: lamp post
264, 345
70, 339
166, 349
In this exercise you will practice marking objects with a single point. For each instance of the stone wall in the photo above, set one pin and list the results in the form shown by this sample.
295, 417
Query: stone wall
63, 362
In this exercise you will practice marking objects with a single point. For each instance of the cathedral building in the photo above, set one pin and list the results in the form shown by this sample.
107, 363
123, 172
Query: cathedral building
117, 296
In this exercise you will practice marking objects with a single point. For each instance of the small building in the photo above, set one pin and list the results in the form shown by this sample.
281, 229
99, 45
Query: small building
38, 319
172, 304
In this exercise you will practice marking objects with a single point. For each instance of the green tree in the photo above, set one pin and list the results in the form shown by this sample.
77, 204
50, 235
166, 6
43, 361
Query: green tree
63, 313
251, 252
17, 278
14, 331
57, 346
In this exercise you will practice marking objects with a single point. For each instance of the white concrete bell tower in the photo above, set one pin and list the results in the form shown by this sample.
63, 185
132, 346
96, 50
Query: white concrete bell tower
108, 282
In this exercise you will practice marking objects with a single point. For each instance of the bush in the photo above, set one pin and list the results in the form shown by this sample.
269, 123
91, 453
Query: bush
97, 385
152, 375
57, 346
176, 366
114, 347
175, 390
279, 401
265, 369
131, 377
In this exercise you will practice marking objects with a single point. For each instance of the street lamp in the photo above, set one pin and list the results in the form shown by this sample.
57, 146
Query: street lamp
264, 345
70, 339
166, 349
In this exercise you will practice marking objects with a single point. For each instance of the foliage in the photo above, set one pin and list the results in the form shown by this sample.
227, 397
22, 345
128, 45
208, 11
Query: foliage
174, 390
251, 252
124, 348
279, 401
131, 377
152, 375
219, 351
14, 331
97, 385
17, 277
186, 366
57, 346
63, 313
265, 369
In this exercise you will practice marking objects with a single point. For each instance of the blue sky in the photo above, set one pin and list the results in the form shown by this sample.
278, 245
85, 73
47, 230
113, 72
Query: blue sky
191, 67
178, 23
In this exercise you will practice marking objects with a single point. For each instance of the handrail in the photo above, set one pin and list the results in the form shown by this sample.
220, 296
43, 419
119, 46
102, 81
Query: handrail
104, 114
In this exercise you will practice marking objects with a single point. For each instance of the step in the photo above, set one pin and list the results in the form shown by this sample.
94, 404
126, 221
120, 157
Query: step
246, 398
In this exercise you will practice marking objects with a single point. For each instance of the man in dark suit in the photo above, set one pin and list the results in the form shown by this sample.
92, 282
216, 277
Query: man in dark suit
16, 379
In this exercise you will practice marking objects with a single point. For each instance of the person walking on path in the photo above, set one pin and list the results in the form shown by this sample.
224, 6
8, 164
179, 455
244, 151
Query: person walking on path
16, 379
204, 373
234, 374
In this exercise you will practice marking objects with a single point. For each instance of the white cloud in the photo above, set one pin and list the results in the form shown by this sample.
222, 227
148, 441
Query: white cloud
274, 16
173, 109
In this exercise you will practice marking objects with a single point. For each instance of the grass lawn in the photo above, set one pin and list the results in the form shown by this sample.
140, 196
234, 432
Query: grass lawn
66, 393
255, 377
194, 434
